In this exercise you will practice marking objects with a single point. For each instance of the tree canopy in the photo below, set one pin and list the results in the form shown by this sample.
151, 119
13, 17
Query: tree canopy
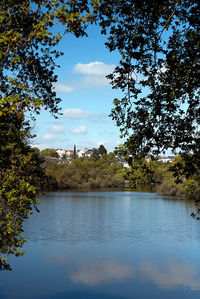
27, 72
88, 173
102, 150
21, 178
49, 152
159, 76
158, 73
27, 53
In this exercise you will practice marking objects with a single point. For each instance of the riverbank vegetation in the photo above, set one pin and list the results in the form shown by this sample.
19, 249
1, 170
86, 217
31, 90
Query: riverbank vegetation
105, 172
180, 178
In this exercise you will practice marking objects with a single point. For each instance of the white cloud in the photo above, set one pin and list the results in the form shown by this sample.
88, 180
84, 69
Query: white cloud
79, 130
63, 87
93, 81
48, 137
57, 129
75, 113
94, 68
94, 76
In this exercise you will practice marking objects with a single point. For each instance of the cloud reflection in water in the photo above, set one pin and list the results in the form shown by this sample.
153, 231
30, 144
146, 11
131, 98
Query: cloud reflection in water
95, 273
173, 275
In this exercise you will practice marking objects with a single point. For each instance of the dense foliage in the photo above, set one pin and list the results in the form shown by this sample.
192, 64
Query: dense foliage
102, 150
27, 72
158, 74
50, 152
21, 178
105, 172
147, 172
159, 44
181, 179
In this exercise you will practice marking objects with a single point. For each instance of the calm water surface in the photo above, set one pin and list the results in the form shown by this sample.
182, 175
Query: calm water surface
107, 245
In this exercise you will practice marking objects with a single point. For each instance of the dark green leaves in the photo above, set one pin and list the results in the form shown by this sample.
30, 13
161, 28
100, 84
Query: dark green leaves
158, 72
21, 178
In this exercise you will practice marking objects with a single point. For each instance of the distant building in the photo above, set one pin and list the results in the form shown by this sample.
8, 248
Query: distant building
62, 152
80, 153
88, 153
69, 152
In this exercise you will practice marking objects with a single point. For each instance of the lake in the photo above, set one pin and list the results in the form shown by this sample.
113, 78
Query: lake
107, 245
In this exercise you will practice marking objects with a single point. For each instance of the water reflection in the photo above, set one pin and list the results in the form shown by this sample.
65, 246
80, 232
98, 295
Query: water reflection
92, 272
95, 273
107, 245
171, 275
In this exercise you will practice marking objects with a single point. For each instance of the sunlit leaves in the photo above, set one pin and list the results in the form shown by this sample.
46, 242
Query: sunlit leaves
26, 47
27, 72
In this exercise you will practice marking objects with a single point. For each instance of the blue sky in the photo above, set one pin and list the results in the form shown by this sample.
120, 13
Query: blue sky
87, 97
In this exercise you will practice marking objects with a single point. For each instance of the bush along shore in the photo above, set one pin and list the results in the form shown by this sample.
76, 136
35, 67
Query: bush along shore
180, 177
106, 172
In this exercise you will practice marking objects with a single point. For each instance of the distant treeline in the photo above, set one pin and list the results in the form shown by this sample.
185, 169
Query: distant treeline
106, 171
181, 177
